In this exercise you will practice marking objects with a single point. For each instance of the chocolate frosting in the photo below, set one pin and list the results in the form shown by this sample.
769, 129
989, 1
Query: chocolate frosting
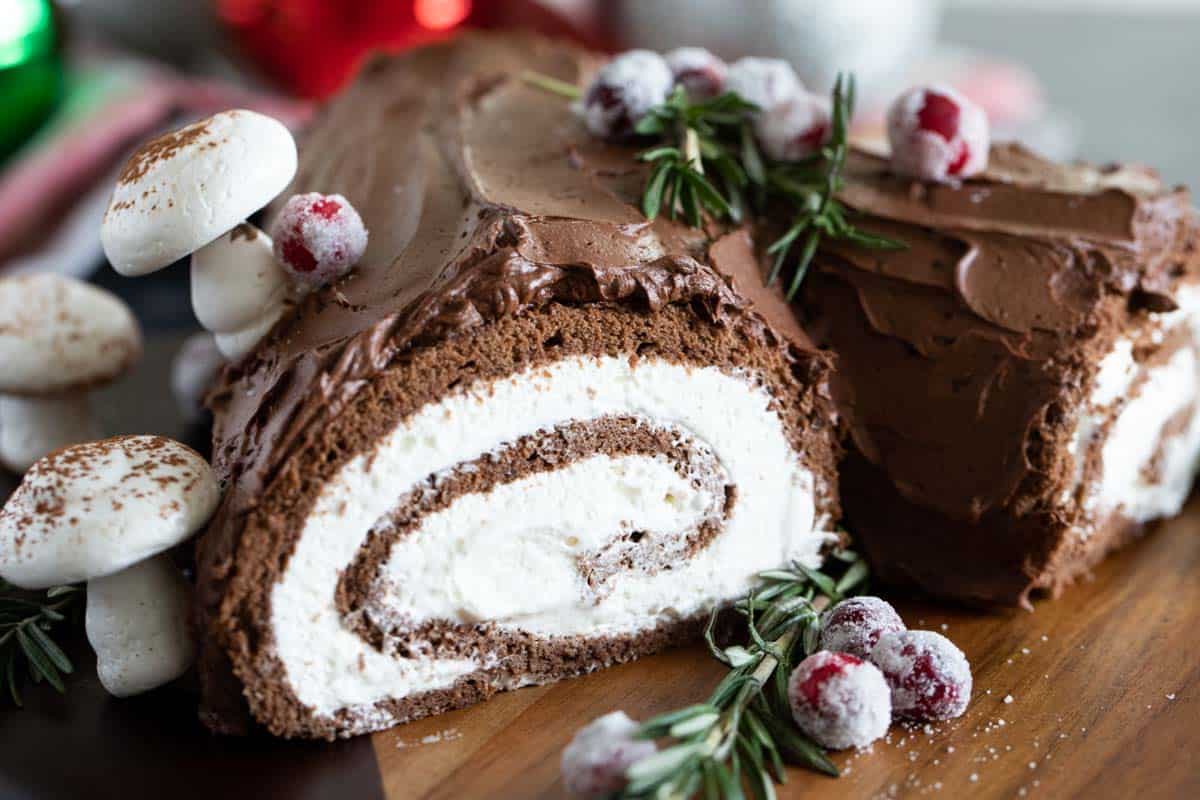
961, 356
484, 197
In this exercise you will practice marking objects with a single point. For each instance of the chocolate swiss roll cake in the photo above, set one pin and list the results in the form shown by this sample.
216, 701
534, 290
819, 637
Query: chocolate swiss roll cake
531, 435
1020, 383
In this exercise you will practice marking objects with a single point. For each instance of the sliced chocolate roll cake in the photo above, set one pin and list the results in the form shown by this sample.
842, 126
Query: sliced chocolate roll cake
531, 435
1020, 383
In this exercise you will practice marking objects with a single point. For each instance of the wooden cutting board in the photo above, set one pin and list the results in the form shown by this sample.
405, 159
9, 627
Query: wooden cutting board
1105, 688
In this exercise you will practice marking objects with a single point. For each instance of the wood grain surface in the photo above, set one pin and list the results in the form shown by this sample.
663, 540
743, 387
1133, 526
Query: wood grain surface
1096, 695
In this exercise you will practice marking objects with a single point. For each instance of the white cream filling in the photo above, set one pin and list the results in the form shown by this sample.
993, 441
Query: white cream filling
330, 668
1136, 433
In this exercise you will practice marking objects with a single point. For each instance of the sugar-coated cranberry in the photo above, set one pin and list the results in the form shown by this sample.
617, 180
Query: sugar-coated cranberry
698, 71
623, 91
839, 701
766, 82
937, 134
594, 763
795, 129
318, 237
854, 626
929, 676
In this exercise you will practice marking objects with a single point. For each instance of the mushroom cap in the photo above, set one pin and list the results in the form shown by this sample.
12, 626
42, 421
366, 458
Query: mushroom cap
235, 279
182, 190
58, 333
94, 509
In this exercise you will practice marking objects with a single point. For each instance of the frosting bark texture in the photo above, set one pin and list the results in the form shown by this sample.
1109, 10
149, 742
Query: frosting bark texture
508, 261
966, 359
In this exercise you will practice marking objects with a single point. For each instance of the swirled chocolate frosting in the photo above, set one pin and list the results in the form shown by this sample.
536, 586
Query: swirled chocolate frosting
962, 356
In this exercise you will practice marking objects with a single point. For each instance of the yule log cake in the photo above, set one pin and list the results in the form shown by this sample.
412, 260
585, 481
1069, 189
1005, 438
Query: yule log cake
1020, 383
532, 434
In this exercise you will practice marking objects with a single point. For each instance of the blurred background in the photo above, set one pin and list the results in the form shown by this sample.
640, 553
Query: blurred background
82, 81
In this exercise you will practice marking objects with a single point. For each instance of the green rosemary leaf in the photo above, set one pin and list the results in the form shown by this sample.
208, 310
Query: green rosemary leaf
650, 125
707, 194
777, 574
40, 663
697, 724
656, 153
653, 198
710, 639
739, 656
659, 767
796, 748
657, 726
10, 676
689, 201
552, 85
806, 257
52, 650
855, 575
751, 160
820, 580
756, 777
58, 591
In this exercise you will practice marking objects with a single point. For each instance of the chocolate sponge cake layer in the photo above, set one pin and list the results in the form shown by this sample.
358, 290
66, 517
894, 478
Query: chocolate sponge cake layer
1019, 383
531, 435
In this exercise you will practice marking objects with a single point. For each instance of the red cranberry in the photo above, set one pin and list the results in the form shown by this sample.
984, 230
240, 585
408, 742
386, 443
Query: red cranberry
839, 700
698, 71
318, 238
937, 134
794, 130
623, 91
855, 625
594, 763
930, 677
767, 82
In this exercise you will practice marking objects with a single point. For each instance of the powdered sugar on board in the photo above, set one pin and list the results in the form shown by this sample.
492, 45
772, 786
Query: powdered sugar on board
447, 735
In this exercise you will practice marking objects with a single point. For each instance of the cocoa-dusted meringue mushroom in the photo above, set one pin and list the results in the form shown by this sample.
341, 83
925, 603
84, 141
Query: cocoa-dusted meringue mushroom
59, 337
104, 512
241, 258
190, 192
193, 371
136, 621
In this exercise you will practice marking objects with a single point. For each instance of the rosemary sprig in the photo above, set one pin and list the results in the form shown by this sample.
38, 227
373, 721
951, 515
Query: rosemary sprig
694, 133
810, 187
26, 619
743, 735
706, 162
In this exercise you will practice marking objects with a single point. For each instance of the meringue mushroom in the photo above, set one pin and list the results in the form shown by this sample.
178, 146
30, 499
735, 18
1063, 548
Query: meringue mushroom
59, 337
190, 192
105, 512
136, 621
193, 371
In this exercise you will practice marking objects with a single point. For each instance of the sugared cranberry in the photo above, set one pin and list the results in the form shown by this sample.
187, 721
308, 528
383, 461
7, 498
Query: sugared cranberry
929, 676
698, 71
937, 134
840, 701
318, 237
795, 129
854, 626
766, 82
623, 91
594, 763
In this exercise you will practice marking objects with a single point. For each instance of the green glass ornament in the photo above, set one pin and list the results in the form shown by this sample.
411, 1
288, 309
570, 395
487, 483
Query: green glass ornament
31, 73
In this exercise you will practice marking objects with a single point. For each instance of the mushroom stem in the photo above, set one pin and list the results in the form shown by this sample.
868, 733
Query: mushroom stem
136, 622
32, 426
